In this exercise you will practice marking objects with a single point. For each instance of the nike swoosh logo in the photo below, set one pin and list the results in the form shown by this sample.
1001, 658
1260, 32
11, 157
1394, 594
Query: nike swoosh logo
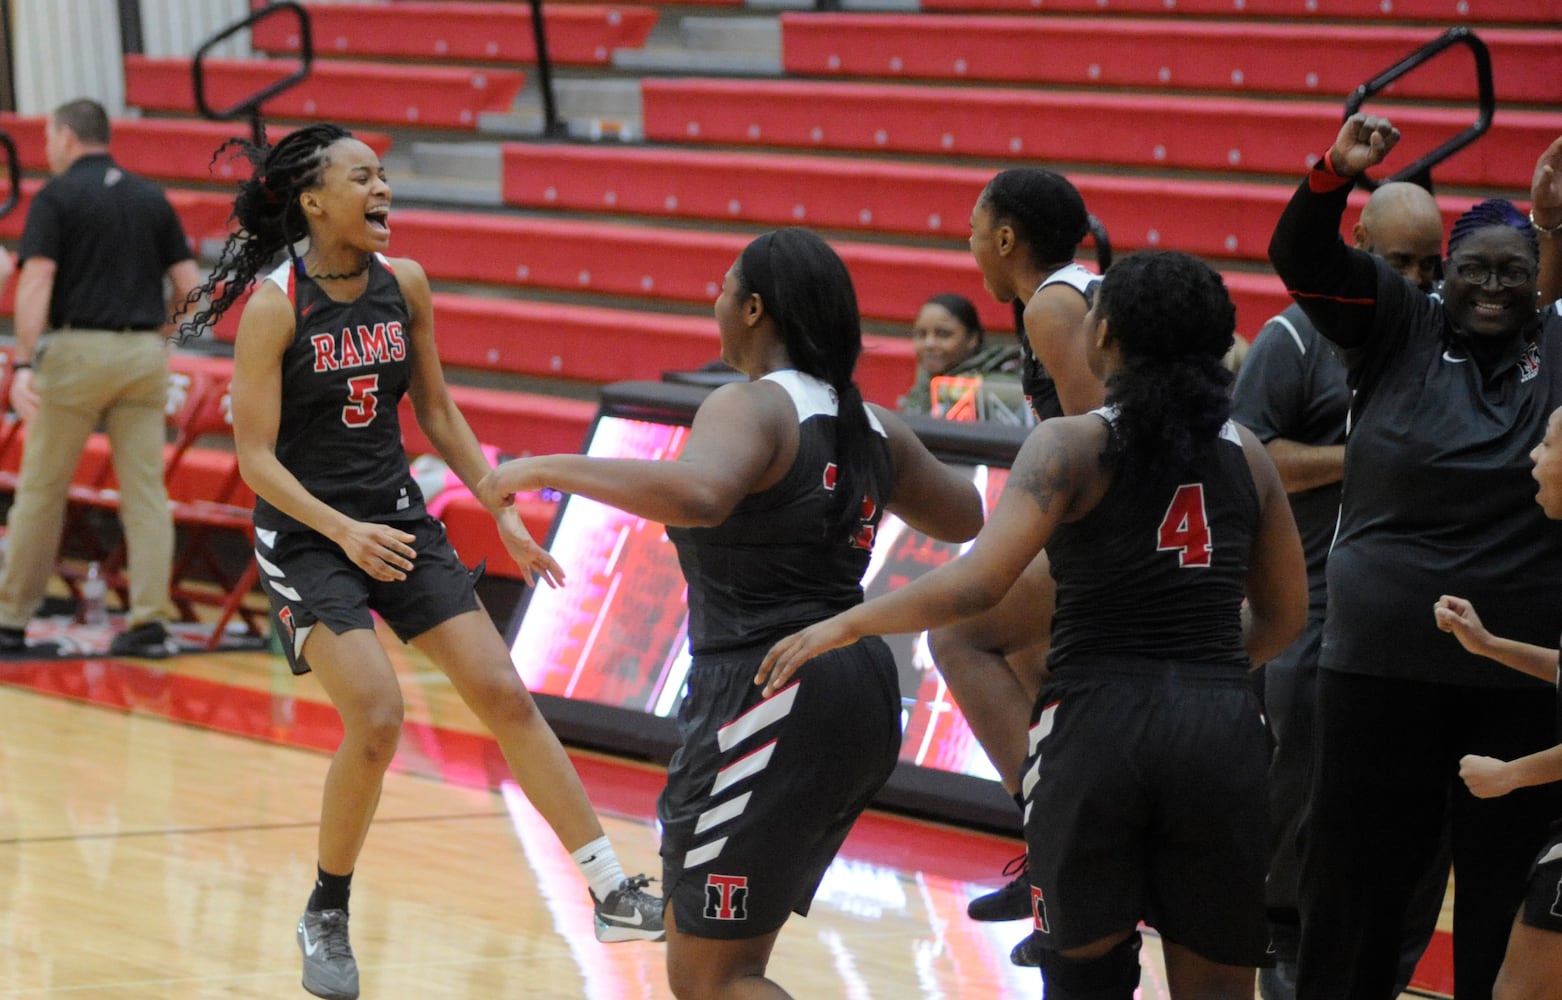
310, 947
639, 918
1453, 360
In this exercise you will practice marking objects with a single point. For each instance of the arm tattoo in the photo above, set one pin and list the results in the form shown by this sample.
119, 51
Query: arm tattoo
1048, 481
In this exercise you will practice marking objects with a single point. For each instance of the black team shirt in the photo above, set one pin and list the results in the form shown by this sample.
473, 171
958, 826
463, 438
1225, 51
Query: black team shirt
342, 378
1155, 571
771, 568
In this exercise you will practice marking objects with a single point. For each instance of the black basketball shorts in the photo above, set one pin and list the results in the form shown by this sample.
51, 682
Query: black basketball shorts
1146, 798
762, 791
1543, 904
310, 581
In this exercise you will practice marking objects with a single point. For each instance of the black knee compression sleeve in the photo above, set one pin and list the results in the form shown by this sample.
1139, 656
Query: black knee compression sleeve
1113, 976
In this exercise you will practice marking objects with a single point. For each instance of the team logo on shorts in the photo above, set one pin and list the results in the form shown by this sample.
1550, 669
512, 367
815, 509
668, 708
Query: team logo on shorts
285, 616
1038, 907
726, 897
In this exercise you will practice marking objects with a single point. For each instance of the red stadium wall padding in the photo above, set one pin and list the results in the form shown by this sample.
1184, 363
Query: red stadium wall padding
375, 93
1449, 12
169, 149
1232, 219
1294, 59
1192, 133
477, 32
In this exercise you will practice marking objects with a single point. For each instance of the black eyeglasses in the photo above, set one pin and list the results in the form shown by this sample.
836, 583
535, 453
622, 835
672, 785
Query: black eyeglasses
1479, 273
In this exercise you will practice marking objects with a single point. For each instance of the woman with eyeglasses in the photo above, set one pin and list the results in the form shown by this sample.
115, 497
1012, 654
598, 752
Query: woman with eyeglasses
1450, 395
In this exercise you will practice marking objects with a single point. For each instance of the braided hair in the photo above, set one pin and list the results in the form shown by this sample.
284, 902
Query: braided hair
1174, 322
1494, 212
266, 210
808, 292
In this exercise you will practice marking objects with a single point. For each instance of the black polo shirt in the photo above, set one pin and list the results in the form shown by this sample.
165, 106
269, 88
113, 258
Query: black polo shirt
112, 236
1438, 497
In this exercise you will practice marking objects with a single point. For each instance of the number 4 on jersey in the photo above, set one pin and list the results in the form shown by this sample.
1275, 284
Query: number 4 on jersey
1185, 528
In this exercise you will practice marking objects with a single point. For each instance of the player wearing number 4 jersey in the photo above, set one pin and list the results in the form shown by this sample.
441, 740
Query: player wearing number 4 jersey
327, 347
1145, 787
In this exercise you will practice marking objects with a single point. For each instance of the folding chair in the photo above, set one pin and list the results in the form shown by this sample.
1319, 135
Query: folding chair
200, 575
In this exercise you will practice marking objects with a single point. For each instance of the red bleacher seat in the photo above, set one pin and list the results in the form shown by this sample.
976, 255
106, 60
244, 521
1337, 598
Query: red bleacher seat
377, 93
1442, 11
610, 345
517, 423
174, 149
1213, 218
585, 34
594, 344
1233, 57
1183, 132
686, 265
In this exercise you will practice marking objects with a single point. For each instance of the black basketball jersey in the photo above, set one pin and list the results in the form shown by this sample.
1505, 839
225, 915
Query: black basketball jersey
1035, 381
1156, 570
343, 377
774, 565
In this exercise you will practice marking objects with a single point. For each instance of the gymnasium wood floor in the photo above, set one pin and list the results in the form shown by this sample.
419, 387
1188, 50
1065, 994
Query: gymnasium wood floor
157, 827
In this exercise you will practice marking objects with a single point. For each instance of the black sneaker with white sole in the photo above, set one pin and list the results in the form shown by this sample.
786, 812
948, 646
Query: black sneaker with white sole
629, 913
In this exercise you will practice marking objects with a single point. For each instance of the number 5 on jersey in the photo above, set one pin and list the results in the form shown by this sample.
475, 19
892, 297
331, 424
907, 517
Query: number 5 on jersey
362, 400
1185, 528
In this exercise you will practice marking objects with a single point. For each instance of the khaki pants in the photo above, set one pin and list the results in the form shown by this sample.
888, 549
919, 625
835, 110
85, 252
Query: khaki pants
83, 378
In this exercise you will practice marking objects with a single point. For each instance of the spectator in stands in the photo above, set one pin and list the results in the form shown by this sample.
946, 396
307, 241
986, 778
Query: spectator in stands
773, 505
1451, 393
327, 346
1145, 783
96, 247
1026, 228
1292, 393
949, 340
1532, 967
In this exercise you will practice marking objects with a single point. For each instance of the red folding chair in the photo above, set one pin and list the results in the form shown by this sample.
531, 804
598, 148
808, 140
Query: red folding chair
201, 577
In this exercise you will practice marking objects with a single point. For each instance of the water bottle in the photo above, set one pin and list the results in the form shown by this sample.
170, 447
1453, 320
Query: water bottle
94, 597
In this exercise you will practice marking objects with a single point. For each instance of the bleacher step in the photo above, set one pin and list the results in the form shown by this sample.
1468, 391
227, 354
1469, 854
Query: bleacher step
590, 109
745, 46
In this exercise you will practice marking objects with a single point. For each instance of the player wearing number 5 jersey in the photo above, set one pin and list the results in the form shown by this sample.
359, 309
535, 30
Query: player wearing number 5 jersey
327, 347
1145, 788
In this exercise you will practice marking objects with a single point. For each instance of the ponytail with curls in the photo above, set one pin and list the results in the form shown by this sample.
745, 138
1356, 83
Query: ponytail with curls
808, 293
266, 214
1173, 321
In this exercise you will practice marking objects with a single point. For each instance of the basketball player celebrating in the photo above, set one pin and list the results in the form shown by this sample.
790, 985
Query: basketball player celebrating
773, 506
1146, 780
328, 344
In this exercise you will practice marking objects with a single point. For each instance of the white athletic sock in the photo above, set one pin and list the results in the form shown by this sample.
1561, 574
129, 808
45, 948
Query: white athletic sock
598, 862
